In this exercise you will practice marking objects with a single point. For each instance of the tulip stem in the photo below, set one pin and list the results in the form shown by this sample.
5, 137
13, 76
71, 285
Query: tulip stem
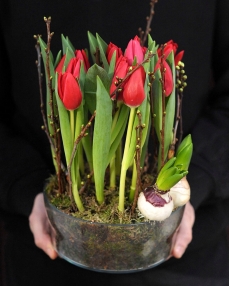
112, 173
72, 123
133, 184
124, 160
77, 197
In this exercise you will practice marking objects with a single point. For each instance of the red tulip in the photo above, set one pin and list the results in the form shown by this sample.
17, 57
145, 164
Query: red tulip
81, 55
134, 49
168, 76
74, 67
110, 50
133, 91
168, 47
60, 65
178, 57
69, 91
120, 71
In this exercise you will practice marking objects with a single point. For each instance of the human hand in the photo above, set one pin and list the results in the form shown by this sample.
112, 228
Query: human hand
40, 227
183, 235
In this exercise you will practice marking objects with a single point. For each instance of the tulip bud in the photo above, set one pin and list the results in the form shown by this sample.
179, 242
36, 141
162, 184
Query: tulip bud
69, 91
168, 48
178, 57
110, 50
74, 67
135, 50
168, 76
133, 93
82, 56
120, 71
60, 65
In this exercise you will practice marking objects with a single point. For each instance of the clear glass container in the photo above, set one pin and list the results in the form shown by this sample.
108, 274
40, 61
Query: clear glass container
114, 248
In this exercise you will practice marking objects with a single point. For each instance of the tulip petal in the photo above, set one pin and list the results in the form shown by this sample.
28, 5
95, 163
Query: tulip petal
178, 57
69, 91
133, 93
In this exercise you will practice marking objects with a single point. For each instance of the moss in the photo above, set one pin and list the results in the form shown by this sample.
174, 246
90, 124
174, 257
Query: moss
107, 212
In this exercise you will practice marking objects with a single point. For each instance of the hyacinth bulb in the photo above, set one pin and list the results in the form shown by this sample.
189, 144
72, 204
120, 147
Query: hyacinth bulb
180, 193
154, 205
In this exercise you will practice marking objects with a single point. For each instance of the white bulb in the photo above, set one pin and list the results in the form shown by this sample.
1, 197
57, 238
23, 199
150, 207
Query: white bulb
180, 193
152, 212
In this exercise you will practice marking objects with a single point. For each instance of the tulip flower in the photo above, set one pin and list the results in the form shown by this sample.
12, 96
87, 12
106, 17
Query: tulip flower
120, 71
168, 76
168, 47
60, 65
75, 63
135, 50
178, 57
133, 91
81, 55
110, 50
74, 67
69, 91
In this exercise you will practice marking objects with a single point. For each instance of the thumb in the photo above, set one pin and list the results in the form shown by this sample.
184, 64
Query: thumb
40, 227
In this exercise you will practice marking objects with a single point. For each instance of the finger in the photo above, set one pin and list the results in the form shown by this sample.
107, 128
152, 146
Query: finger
43, 241
42, 237
40, 227
184, 234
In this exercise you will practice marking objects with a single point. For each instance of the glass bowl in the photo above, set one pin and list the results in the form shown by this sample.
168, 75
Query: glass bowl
113, 248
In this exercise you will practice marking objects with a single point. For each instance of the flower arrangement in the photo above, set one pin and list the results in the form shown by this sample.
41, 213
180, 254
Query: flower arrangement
113, 120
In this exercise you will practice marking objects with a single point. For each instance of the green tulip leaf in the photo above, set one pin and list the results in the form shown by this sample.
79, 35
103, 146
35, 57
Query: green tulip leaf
66, 45
101, 137
117, 130
90, 86
69, 55
64, 126
112, 66
93, 44
122, 119
58, 58
102, 49
70, 45
157, 104
117, 140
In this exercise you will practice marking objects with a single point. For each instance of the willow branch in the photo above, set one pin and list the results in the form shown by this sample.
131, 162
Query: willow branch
143, 35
